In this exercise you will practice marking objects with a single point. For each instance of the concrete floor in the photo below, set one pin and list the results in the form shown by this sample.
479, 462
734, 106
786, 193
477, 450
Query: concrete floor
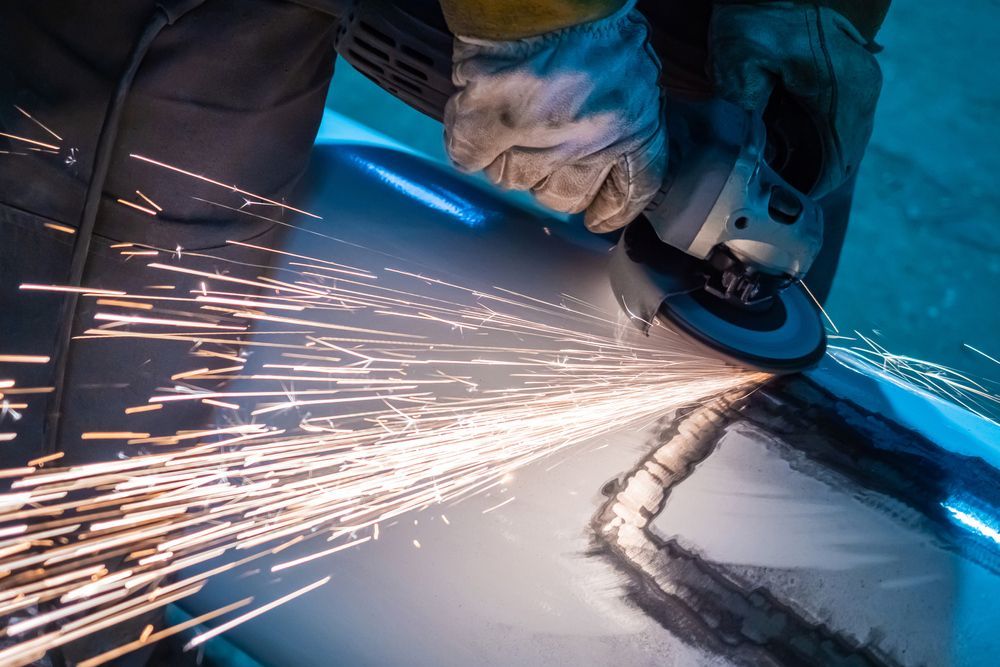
922, 258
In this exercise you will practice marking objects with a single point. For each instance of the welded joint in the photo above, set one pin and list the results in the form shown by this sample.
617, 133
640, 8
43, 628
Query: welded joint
640, 496
707, 605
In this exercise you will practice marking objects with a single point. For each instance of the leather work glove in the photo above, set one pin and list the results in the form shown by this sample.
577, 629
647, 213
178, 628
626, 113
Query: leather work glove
573, 115
818, 56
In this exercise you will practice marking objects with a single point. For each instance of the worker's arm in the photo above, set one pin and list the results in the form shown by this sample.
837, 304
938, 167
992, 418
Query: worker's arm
814, 52
865, 15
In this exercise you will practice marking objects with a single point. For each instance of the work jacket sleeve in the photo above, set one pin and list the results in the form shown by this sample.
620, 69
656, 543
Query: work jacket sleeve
866, 15
514, 19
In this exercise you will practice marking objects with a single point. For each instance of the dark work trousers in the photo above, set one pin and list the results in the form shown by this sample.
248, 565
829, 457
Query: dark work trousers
232, 89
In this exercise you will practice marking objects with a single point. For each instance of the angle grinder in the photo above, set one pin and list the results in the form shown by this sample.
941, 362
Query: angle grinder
720, 252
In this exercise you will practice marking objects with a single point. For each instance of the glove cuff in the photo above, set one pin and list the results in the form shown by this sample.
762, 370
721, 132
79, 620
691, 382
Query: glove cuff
504, 20
525, 46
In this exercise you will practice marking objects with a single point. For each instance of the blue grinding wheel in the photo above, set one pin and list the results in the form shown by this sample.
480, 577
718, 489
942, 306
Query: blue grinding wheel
785, 338
656, 282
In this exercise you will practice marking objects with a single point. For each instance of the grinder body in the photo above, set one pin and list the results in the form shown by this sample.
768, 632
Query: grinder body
719, 252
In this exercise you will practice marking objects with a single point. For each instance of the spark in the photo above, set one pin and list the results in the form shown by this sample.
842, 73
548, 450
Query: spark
136, 319
187, 374
231, 188
938, 380
8, 408
980, 352
144, 209
495, 507
71, 288
149, 201
391, 428
23, 359
65, 229
29, 141
218, 630
27, 390
244, 303
112, 435
42, 460
138, 305
37, 122
321, 554
819, 305
143, 408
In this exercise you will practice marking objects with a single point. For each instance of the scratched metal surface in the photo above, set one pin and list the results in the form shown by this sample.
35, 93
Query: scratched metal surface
880, 566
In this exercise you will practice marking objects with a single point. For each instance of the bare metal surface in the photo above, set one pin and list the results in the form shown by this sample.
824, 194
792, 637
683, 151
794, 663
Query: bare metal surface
673, 581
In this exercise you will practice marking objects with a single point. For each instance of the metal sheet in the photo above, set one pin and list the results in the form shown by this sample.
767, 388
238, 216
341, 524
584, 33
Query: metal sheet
805, 525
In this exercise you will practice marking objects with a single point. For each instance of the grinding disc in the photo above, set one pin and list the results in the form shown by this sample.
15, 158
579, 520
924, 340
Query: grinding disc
656, 283
786, 337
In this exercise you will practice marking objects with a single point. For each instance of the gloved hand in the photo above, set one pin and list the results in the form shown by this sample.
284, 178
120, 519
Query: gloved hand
818, 56
573, 115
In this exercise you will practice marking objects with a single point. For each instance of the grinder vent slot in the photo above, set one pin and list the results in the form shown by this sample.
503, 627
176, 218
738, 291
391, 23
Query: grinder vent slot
404, 49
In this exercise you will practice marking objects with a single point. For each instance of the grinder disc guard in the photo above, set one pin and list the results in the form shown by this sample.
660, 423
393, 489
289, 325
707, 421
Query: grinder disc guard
653, 281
